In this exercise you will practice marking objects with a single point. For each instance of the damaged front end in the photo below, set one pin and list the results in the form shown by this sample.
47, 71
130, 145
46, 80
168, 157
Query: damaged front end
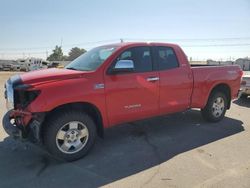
18, 122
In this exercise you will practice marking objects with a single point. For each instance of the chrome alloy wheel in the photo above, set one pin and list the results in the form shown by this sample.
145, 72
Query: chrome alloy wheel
72, 137
218, 107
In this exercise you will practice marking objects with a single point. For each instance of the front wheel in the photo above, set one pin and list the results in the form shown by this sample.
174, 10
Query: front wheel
69, 135
216, 107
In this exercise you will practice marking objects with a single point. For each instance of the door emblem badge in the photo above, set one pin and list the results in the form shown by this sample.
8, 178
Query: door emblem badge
132, 106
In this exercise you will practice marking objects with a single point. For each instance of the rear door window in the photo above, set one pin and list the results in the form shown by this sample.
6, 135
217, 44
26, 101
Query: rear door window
166, 58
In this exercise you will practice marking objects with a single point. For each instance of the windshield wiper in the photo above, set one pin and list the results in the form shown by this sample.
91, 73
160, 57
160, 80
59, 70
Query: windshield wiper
71, 68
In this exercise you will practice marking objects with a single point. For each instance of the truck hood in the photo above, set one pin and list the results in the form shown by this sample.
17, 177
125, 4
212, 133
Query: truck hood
49, 75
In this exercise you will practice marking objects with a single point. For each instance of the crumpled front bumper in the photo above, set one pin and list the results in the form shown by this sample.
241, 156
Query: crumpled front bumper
23, 125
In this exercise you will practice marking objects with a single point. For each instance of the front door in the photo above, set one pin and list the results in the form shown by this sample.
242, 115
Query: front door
133, 95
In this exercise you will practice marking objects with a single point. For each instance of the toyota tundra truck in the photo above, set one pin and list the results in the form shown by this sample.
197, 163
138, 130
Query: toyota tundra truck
66, 109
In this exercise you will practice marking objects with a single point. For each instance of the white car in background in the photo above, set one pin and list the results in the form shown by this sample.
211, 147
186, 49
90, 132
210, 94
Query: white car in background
31, 64
245, 85
6, 67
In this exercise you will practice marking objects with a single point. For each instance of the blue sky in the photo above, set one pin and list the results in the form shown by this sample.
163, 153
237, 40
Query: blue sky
217, 29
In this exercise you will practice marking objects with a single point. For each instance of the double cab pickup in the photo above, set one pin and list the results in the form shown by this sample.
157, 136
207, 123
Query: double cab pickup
66, 109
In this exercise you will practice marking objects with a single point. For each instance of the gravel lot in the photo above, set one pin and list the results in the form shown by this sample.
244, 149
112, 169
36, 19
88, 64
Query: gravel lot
180, 150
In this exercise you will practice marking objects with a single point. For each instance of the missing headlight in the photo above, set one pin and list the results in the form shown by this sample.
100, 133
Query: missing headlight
23, 97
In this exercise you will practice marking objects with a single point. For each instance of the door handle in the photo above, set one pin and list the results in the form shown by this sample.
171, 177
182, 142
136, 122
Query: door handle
153, 79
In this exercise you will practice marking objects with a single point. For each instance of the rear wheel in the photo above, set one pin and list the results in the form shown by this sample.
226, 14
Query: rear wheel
216, 107
69, 135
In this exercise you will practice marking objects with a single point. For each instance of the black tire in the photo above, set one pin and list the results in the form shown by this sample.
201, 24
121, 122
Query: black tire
59, 120
208, 111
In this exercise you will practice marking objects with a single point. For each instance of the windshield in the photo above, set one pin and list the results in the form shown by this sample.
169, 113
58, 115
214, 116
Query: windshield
92, 59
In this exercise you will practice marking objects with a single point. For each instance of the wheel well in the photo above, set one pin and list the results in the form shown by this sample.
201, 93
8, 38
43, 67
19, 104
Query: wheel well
224, 88
88, 108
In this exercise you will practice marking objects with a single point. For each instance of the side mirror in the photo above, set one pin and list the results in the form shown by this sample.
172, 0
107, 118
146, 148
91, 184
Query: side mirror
124, 66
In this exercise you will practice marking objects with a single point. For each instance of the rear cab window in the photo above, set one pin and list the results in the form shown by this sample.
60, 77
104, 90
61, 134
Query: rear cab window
166, 58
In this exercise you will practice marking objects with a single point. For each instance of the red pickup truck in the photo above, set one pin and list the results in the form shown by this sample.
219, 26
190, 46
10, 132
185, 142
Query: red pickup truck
66, 109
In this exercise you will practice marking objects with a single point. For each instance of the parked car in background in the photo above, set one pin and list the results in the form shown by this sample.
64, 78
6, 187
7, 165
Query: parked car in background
6, 67
44, 65
55, 65
58, 64
66, 109
245, 85
15, 66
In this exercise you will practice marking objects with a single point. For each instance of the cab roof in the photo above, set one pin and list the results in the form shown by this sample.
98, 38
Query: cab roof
131, 44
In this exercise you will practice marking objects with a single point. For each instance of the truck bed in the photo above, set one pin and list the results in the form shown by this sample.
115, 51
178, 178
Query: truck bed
208, 76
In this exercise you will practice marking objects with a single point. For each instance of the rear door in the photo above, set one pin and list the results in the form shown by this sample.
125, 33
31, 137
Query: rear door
134, 95
176, 81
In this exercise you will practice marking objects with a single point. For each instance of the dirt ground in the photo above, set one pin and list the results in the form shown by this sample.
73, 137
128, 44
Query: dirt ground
180, 150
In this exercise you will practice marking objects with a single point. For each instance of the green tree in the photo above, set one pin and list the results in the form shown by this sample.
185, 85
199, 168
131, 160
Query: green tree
57, 54
75, 52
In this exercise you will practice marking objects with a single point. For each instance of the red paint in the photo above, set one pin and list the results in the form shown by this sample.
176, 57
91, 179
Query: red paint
177, 90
